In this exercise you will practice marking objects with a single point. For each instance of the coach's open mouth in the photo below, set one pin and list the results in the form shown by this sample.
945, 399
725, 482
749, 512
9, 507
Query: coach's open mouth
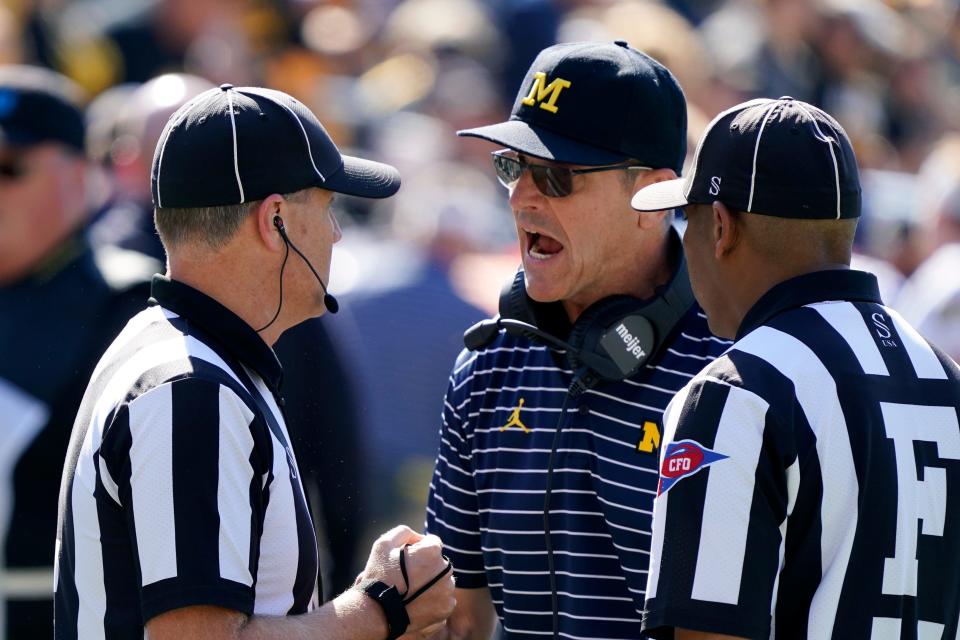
541, 246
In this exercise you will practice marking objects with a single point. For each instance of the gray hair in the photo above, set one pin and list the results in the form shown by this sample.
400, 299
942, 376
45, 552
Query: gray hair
213, 226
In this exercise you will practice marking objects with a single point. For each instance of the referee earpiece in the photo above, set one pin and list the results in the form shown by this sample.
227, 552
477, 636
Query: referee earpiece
328, 300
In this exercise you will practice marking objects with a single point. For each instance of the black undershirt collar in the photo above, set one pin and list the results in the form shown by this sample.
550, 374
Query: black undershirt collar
221, 324
819, 286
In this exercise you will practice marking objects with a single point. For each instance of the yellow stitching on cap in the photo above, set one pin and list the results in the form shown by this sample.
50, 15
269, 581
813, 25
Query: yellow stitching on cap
541, 89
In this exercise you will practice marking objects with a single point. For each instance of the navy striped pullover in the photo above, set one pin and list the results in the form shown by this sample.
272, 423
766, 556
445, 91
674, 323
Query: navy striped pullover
487, 494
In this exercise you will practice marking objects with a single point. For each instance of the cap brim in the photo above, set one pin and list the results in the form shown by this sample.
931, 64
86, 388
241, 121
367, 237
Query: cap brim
660, 196
364, 179
14, 137
540, 143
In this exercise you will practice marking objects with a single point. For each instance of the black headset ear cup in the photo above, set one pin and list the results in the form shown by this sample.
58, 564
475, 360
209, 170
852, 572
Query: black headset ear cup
618, 335
593, 324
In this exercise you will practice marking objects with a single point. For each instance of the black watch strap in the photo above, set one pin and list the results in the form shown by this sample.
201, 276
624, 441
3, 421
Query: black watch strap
391, 602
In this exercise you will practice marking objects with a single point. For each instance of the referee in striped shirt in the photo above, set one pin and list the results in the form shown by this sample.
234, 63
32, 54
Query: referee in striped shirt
182, 514
809, 479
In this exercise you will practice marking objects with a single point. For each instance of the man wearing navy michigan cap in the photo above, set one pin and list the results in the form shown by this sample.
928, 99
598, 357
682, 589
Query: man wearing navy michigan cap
182, 512
546, 474
810, 476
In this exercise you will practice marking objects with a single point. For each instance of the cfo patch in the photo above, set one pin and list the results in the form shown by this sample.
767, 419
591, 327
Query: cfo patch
683, 459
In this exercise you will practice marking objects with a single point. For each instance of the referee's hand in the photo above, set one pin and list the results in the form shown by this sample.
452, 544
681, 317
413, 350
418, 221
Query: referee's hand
424, 561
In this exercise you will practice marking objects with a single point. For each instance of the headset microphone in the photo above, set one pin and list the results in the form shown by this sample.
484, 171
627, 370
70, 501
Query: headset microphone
482, 333
328, 300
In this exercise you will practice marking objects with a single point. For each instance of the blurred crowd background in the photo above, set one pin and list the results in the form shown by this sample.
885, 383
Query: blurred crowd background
394, 79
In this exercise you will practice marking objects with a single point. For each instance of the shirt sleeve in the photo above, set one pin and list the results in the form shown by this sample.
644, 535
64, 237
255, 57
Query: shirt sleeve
452, 510
188, 462
716, 545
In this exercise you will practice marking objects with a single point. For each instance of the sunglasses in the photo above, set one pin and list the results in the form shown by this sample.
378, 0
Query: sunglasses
551, 181
12, 169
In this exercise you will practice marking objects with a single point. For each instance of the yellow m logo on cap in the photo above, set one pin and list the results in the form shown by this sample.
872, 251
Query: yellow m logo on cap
541, 90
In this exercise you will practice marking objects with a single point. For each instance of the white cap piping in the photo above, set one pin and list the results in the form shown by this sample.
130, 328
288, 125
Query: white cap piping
706, 132
756, 150
829, 140
233, 128
187, 108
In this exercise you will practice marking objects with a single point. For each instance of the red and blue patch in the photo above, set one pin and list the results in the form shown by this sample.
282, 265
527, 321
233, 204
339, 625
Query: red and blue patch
682, 459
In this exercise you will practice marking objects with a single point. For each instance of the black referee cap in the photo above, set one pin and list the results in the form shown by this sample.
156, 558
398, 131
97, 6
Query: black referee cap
233, 145
38, 105
783, 158
596, 103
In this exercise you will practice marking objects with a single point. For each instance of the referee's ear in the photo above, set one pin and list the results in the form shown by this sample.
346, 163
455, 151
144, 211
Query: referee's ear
726, 230
270, 207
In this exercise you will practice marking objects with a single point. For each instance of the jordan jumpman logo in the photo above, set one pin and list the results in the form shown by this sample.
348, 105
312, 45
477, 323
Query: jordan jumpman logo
515, 420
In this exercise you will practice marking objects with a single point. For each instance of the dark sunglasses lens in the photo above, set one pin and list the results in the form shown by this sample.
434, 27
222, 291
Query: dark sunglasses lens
508, 170
11, 170
552, 182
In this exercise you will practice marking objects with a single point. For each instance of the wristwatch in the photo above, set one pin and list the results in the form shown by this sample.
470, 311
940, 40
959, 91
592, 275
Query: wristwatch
392, 604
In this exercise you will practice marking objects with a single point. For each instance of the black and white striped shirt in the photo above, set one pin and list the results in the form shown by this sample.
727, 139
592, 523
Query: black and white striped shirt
809, 481
180, 487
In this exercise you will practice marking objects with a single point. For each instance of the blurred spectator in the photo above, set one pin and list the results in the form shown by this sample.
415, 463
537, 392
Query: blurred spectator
102, 117
527, 26
765, 48
99, 43
460, 52
128, 135
11, 45
406, 320
930, 298
459, 25
656, 29
205, 36
887, 243
61, 303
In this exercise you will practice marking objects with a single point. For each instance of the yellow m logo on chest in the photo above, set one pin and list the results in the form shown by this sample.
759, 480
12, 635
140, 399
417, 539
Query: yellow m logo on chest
650, 439
540, 90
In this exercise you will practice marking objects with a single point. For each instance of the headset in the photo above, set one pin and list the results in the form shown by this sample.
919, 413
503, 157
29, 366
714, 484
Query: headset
328, 300
610, 341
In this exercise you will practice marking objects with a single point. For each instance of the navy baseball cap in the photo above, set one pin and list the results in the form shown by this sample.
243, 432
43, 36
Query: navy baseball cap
782, 158
232, 145
38, 105
596, 103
